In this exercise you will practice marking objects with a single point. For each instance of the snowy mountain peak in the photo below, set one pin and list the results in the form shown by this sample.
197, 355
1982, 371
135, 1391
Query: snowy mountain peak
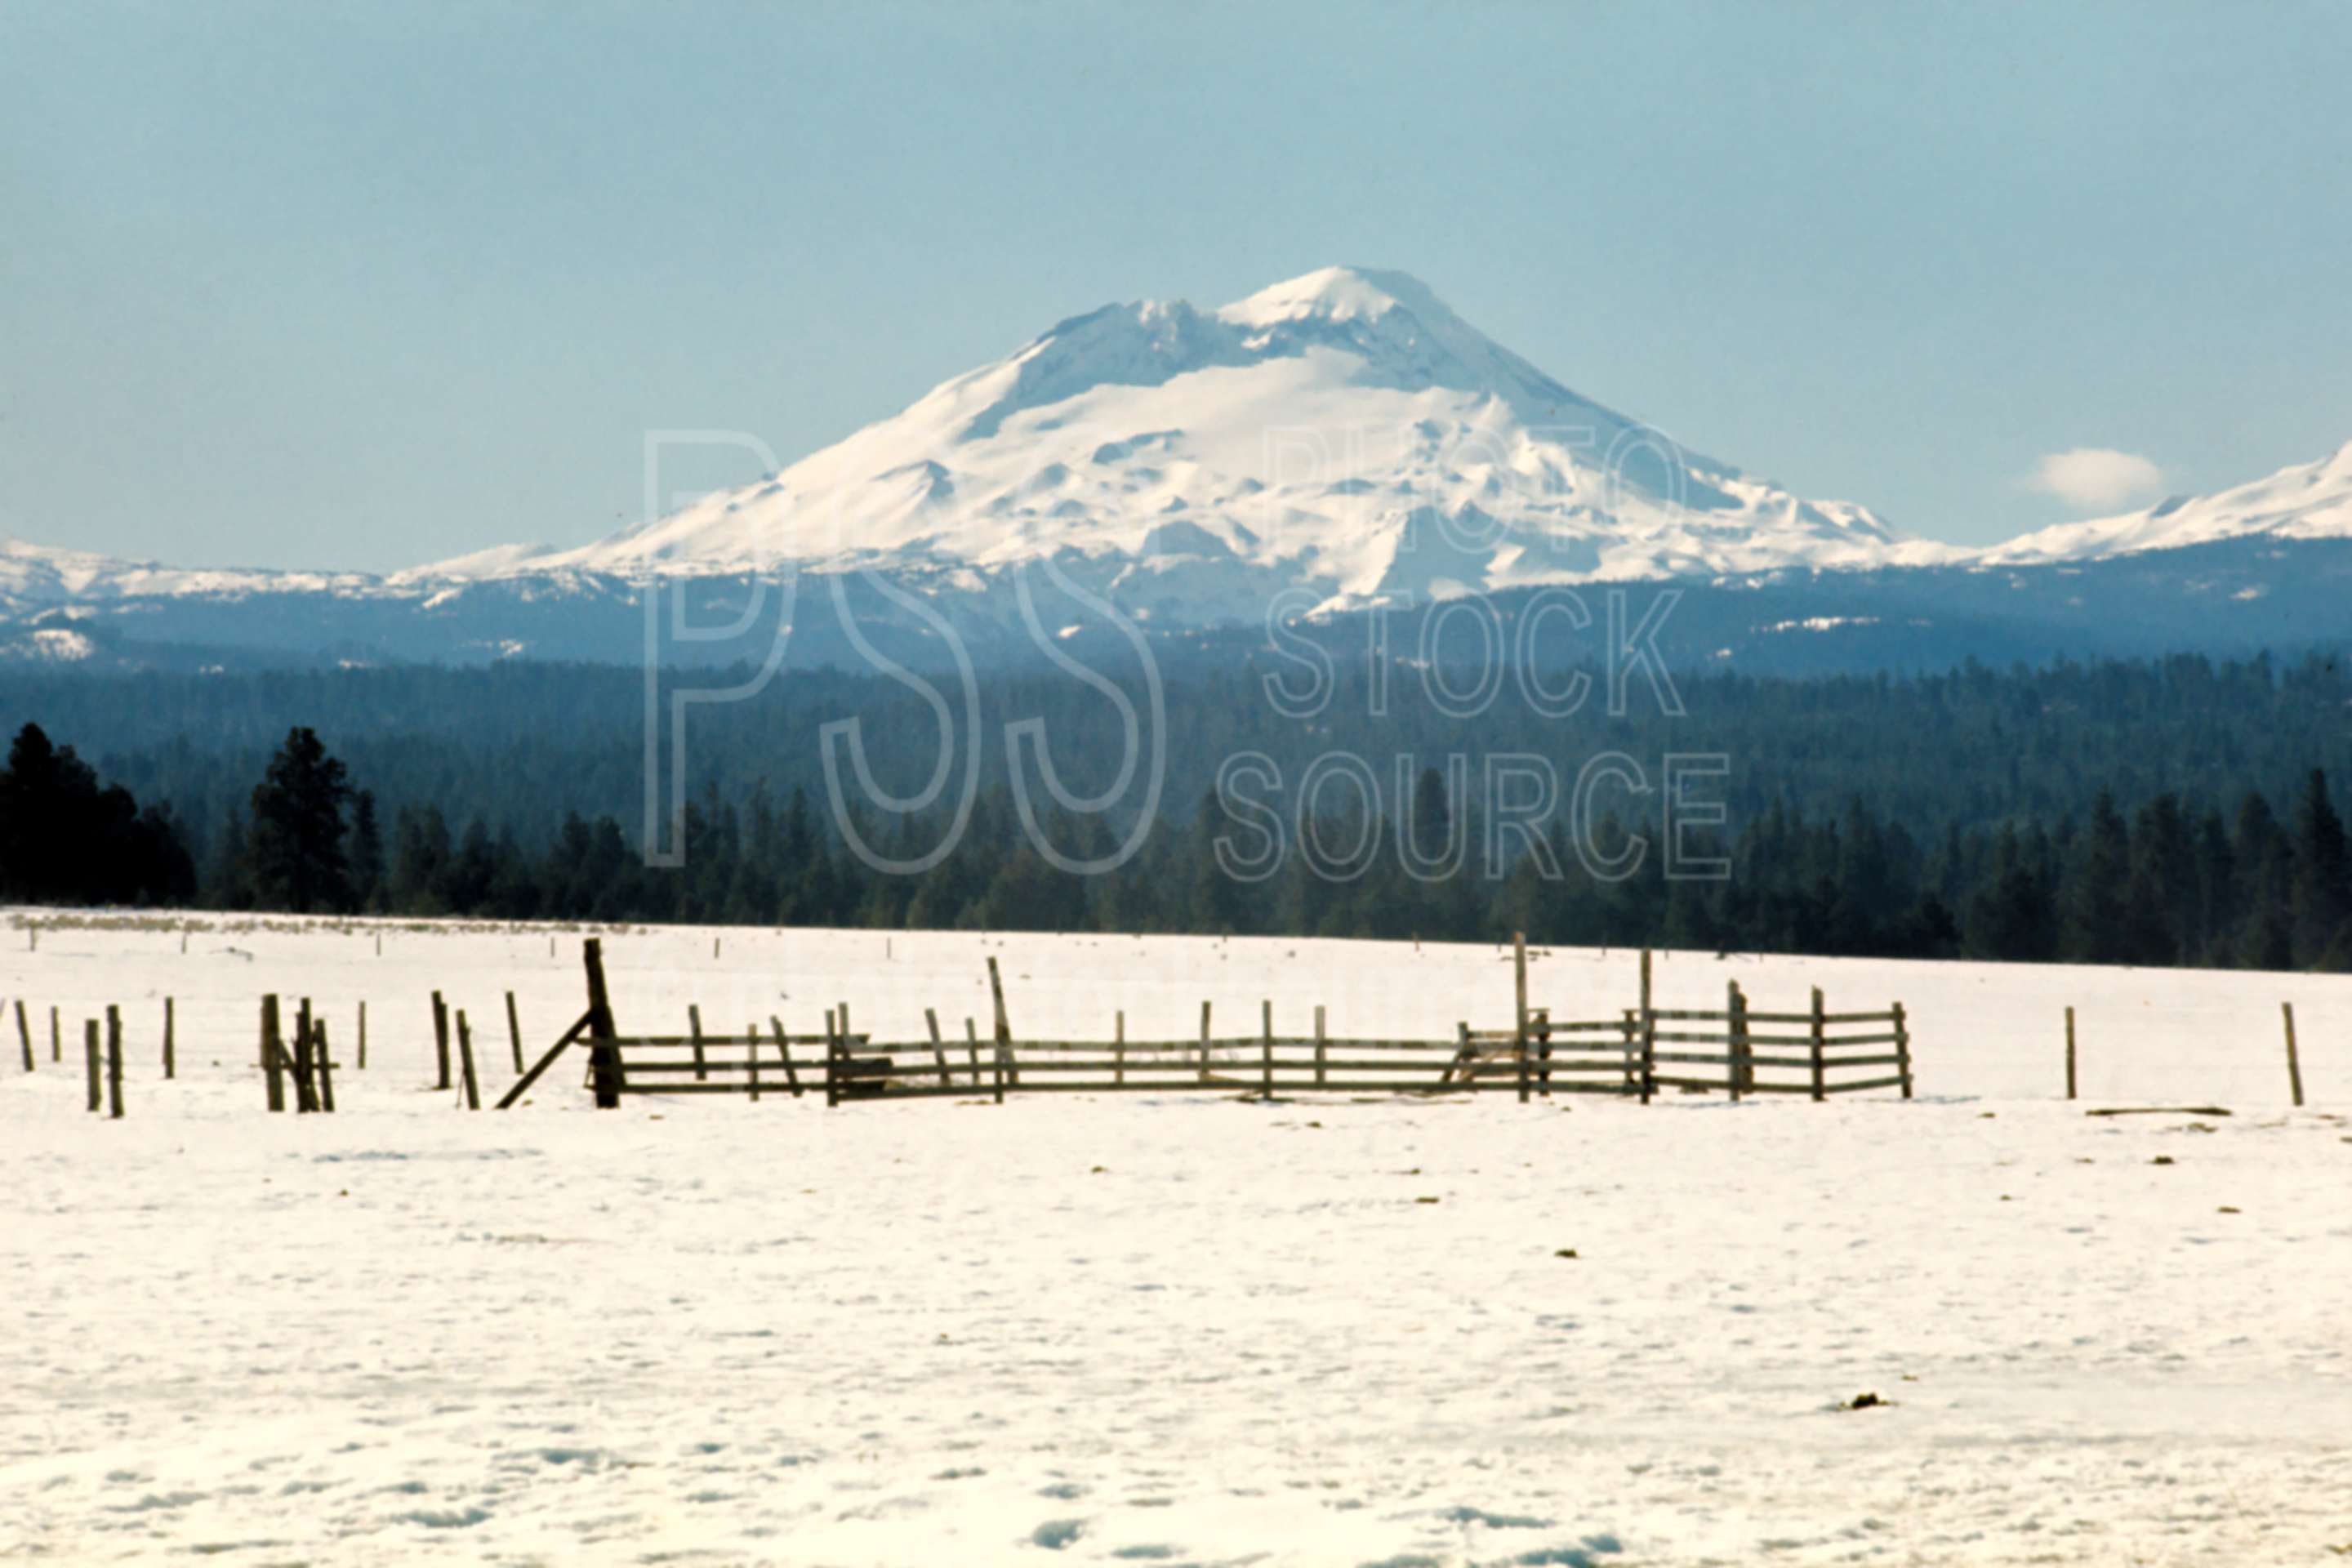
1337, 293
1343, 431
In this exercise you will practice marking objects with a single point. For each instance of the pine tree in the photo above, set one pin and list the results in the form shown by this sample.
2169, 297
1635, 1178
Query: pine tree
2322, 896
367, 852
295, 849
2096, 931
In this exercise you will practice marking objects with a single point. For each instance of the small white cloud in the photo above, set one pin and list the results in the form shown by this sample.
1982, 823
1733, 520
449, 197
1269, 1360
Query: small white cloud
2097, 479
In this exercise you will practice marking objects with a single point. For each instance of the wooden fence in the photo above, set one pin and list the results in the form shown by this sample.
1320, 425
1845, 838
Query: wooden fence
1642, 1051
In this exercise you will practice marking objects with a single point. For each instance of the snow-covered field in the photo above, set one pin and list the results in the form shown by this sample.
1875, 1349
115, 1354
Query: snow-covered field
1165, 1330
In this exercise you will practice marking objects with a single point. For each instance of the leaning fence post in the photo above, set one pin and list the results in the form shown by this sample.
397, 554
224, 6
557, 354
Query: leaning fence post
326, 1068
514, 1030
24, 1033
694, 1027
784, 1048
1735, 1039
2294, 1068
170, 1059
939, 1050
114, 1062
1819, 1040
1903, 1049
441, 1038
1265, 1033
269, 1053
972, 1047
1649, 1035
89, 1059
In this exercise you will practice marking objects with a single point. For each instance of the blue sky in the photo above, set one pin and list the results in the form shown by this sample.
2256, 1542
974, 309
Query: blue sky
362, 287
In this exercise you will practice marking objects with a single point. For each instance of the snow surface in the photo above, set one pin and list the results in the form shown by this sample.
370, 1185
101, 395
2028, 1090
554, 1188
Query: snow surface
1176, 1328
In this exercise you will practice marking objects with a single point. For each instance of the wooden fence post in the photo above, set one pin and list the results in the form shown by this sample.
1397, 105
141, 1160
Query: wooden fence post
1204, 1042
114, 1062
269, 1053
784, 1046
1004, 1026
514, 1030
363, 1036
2070, 1052
1819, 1040
1320, 1041
441, 1039
1539, 1025
1903, 1049
831, 1060
1265, 1033
1519, 1009
171, 1056
90, 1059
1461, 1063
1649, 1035
694, 1032
1734, 1039
57, 1039
24, 1033
306, 1088
1118, 1048
752, 1036
1003, 1052
604, 1070
2294, 1067
326, 1068
971, 1046
939, 1050
470, 1092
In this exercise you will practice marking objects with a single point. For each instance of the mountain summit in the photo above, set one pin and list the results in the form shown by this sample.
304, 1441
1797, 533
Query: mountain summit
1343, 432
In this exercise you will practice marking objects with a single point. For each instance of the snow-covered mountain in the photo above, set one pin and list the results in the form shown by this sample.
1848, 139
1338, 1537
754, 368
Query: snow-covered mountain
2304, 501
45, 575
1343, 432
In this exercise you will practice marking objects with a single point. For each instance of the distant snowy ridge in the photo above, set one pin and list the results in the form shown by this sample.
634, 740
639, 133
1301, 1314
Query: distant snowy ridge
43, 575
2304, 501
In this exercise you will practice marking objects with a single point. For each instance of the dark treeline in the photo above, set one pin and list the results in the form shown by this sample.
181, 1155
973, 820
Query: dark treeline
2167, 812
520, 746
